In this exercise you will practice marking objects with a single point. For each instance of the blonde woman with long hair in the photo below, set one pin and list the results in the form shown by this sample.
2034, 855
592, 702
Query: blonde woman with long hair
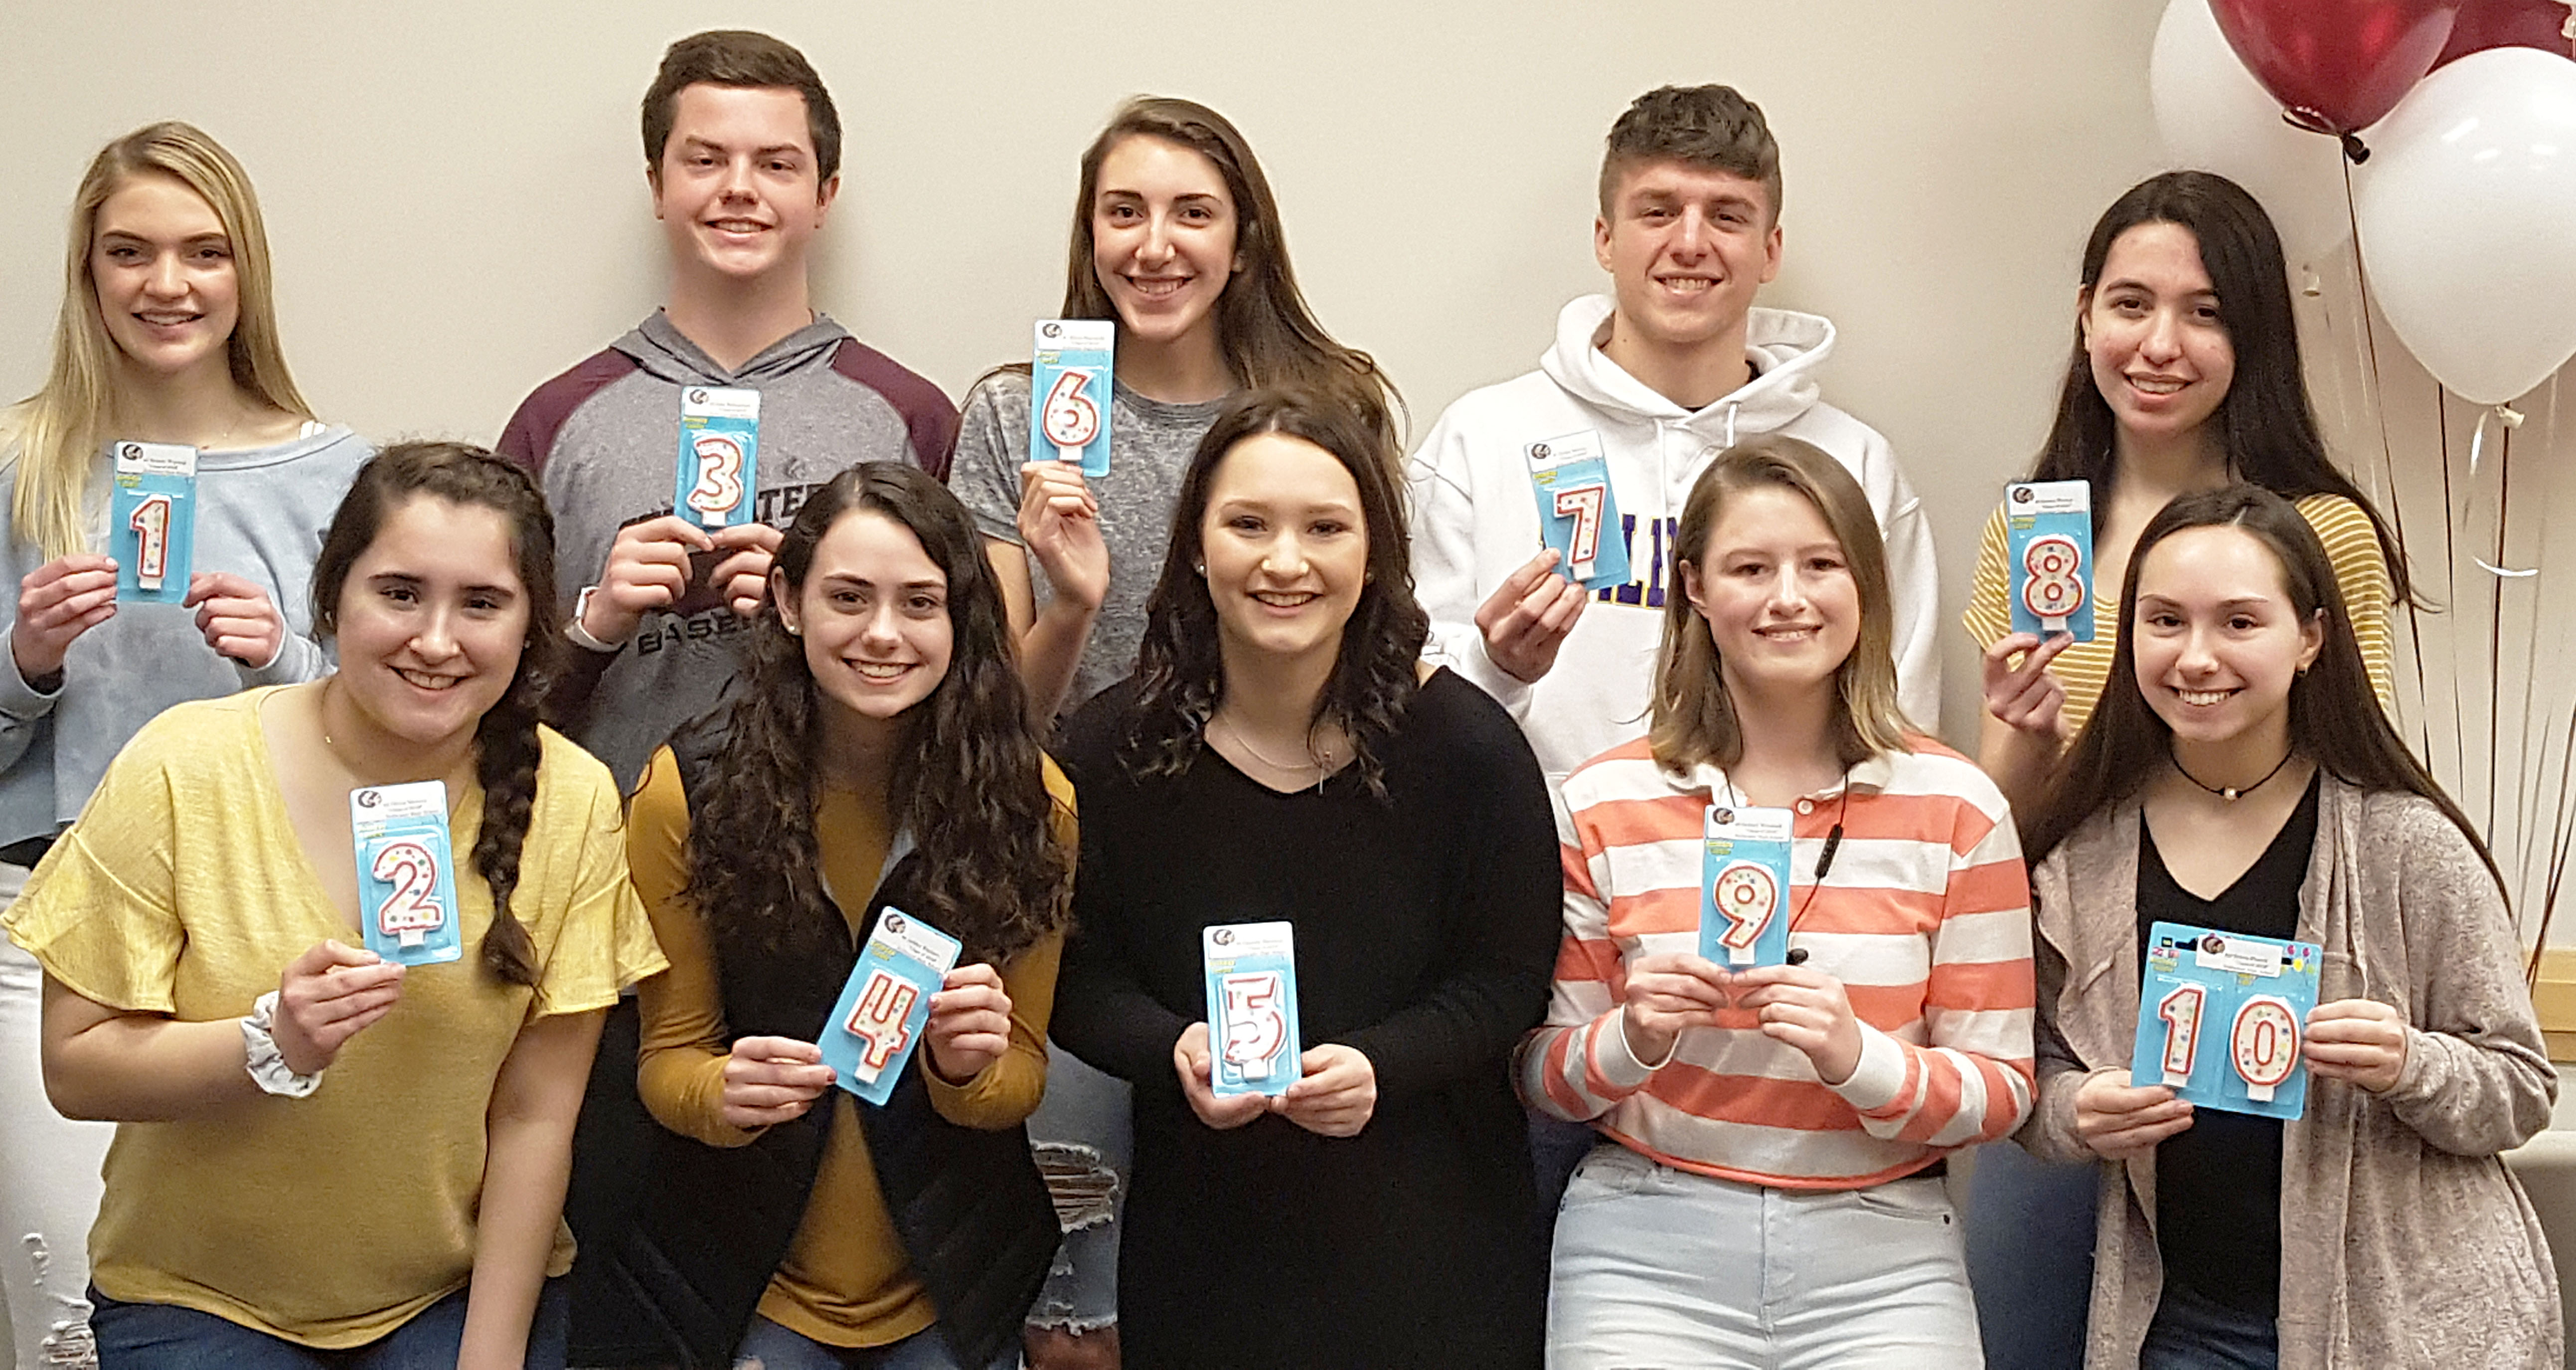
167, 335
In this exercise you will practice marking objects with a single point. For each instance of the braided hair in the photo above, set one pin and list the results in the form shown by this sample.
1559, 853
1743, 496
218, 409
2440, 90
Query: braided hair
506, 744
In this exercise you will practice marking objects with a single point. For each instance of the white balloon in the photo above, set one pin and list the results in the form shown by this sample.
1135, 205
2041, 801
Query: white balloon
2468, 221
2216, 117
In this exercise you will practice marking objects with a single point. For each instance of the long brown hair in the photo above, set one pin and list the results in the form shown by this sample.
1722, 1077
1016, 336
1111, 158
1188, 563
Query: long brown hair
2335, 719
1695, 718
1269, 336
1180, 671
506, 746
969, 784
60, 431
2265, 422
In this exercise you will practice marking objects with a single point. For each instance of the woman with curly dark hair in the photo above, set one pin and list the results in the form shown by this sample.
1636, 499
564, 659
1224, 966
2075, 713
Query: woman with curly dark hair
879, 755
1282, 756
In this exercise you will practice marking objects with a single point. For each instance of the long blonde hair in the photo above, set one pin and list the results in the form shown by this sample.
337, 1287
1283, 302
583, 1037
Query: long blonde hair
1695, 718
57, 433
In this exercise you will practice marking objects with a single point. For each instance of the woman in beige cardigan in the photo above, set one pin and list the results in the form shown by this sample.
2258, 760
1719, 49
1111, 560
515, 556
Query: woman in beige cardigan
2239, 774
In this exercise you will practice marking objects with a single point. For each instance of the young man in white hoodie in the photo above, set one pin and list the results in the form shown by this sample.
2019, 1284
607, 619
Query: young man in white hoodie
1675, 366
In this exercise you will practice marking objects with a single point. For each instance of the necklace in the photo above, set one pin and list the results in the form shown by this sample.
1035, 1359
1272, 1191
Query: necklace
2232, 793
1311, 765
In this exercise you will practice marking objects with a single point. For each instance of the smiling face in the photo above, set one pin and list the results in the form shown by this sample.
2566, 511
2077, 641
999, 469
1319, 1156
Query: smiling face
1285, 545
873, 615
2160, 352
1687, 248
1162, 240
1777, 592
162, 268
2218, 639
431, 621
738, 188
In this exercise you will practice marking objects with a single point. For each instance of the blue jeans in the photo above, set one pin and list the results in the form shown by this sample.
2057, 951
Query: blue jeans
2193, 1333
161, 1336
1662, 1269
772, 1347
2030, 1226
1082, 1135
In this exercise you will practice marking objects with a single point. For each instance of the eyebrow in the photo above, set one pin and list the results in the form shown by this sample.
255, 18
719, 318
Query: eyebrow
406, 578
129, 235
694, 142
2133, 283
862, 582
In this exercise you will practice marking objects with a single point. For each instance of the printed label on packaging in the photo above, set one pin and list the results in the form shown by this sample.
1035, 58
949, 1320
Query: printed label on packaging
877, 1025
1251, 1007
406, 872
719, 455
1744, 887
152, 521
2221, 1019
2048, 548
1577, 513
1069, 382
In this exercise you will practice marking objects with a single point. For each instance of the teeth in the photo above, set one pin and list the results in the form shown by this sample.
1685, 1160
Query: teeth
1687, 285
1282, 600
2202, 698
1164, 286
2156, 387
878, 670
426, 681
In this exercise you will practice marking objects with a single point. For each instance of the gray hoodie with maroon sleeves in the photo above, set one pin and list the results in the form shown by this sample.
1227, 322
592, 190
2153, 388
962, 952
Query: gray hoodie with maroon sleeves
603, 440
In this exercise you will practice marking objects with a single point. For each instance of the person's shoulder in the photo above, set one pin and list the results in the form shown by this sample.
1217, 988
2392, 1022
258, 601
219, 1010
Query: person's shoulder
903, 387
569, 776
1626, 771
1844, 437
1506, 409
1932, 768
1458, 716
2339, 523
197, 739
529, 437
1086, 740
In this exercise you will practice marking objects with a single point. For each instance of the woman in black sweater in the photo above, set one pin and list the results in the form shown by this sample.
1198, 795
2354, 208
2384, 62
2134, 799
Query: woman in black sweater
1281, 756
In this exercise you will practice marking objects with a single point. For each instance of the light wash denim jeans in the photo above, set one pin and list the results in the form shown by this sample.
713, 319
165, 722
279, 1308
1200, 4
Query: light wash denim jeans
1083, 1132
49, 1186
768, 1346
1661, 1269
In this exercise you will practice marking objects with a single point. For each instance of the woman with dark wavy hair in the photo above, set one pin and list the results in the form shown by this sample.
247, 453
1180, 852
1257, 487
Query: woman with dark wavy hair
279, 1091
1282, 755
878, 756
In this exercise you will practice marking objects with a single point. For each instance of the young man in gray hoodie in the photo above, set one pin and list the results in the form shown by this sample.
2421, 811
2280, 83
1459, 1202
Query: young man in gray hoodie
742, 151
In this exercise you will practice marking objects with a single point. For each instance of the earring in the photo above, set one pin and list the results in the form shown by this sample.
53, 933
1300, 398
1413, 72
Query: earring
792, 629
1200, 567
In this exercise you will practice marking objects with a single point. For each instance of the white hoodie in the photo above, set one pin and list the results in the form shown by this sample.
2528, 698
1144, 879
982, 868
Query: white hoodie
1475, 520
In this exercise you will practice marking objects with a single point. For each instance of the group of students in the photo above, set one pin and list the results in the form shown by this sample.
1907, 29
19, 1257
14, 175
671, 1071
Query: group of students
1282, 674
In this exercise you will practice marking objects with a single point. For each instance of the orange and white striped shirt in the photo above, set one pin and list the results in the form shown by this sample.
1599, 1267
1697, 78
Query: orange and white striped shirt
1924, 916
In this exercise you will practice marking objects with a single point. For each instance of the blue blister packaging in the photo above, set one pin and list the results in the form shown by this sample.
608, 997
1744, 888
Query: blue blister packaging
152, 521
719, 469
406, 872
2222, 1017
1744, 886
1070, 374
1578, 513
2048, 549
877, 1025
1251, 1007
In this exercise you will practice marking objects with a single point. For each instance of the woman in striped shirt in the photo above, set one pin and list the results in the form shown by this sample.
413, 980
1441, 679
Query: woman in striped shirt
2185, 377
1769, 1192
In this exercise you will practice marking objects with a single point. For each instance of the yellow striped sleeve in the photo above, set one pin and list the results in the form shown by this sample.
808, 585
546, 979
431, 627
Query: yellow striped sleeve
2352, 545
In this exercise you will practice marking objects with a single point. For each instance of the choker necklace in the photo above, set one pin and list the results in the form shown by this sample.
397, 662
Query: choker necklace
2232, 793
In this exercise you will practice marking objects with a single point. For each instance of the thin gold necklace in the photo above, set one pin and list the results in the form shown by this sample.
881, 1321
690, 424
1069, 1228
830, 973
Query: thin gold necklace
1313, 764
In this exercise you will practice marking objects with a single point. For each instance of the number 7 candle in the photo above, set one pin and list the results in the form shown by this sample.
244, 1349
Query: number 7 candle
1578, 512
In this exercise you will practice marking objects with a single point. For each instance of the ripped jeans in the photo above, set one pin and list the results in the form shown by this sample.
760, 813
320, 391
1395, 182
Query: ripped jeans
1083, 1133
49, 1186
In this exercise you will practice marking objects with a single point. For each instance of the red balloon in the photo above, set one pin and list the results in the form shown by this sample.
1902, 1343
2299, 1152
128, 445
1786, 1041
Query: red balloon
2488, 24
2336, 66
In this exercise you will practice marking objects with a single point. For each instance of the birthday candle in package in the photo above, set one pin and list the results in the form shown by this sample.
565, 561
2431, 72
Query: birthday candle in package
1251, 1007
2048, 548
2222, 1017
152, 521
719, 455
406, 872
1578, 514
878, 1023
1744, 886
1069, 382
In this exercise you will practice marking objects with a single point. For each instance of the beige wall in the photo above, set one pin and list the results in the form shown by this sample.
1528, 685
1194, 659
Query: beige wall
456, 197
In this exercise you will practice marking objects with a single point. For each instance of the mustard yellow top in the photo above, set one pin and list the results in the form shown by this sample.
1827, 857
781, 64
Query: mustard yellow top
183, 890
2351, 545
845, 1280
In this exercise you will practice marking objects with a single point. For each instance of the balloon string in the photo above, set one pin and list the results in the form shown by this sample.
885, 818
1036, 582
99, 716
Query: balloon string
2388, 466
2478, 495
2308, 120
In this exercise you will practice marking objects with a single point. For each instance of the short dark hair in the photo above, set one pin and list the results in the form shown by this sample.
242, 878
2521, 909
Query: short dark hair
1710, 127
745, 60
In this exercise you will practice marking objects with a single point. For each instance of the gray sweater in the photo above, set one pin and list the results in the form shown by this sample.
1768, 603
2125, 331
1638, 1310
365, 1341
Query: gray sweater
2405, 1242
260, 515
603, 439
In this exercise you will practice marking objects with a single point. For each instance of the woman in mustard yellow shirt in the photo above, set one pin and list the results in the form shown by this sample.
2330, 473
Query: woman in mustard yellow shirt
878, 755
318, 1151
